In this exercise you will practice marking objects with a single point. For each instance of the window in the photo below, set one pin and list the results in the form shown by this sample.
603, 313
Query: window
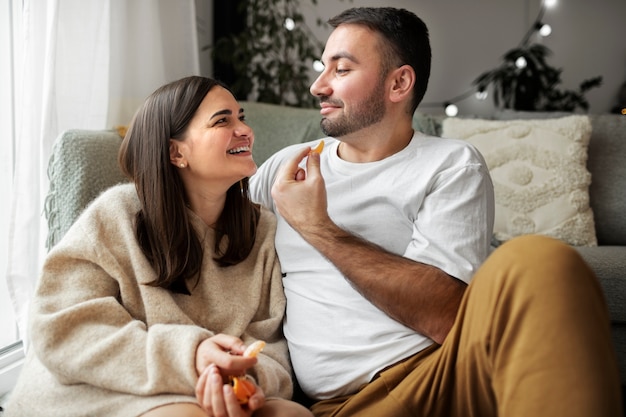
10, 348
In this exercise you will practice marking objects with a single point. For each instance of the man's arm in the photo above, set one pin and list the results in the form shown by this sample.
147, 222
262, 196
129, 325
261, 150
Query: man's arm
420, 296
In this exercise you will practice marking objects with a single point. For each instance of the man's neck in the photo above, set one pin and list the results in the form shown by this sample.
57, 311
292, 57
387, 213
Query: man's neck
375, 143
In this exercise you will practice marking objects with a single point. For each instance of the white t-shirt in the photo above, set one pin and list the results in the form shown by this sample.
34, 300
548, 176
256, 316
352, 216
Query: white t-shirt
431, 202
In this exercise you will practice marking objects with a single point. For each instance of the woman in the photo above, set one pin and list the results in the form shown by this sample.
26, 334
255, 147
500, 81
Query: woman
147, 304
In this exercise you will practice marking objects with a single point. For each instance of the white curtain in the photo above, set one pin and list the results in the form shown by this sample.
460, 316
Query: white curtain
86, 65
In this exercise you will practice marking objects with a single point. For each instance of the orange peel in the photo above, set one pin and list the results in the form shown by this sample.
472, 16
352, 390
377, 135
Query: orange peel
319, 147
242, 386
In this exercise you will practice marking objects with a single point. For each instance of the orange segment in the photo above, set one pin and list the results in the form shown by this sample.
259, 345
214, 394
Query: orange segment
254, 349
243, 389
319, 147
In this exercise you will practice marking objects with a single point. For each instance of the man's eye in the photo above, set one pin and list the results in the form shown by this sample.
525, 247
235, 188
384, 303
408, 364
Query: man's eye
342, 71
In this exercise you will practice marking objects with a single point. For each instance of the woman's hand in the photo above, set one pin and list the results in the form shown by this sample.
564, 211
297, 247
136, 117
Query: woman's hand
225, 352
218, 399
217, 359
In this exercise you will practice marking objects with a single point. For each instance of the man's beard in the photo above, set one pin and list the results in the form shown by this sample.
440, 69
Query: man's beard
369, 111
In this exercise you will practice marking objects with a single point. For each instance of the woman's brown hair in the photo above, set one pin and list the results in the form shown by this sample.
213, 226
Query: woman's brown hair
163, 226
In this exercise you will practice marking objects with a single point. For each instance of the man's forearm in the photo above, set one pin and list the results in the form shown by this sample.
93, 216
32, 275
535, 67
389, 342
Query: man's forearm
420, 296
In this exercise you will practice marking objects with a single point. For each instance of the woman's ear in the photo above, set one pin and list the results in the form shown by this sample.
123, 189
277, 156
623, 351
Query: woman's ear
176, 157
402, 82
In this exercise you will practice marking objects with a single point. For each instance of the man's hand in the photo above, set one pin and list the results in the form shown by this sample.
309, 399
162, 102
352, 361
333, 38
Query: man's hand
300, 195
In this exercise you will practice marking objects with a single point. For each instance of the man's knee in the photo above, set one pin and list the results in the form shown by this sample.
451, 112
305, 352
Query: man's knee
535, 263
545, 256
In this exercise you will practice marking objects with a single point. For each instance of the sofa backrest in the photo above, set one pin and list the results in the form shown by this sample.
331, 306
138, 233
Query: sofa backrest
276, 127
607, 164
84, 163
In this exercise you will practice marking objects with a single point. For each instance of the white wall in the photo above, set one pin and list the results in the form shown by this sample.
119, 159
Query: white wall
469, 37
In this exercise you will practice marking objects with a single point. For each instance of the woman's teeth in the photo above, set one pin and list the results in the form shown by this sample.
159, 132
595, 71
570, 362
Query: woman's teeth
238, 150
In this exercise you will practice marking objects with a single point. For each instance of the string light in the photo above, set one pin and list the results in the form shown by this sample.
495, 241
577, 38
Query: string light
289, 24
545, 29
538, 26
550, 3
451, 109
318, 66
521, 62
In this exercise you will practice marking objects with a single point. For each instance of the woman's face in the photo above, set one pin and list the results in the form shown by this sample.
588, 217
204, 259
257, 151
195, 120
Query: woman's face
216, 150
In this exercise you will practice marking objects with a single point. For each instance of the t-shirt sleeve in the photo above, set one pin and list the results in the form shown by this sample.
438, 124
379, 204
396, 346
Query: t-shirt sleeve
453, 228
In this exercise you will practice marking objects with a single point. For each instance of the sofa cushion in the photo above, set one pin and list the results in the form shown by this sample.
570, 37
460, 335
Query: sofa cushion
607, 152
539, 172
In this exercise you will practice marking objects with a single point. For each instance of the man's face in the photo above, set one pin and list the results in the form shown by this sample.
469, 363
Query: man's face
351, 88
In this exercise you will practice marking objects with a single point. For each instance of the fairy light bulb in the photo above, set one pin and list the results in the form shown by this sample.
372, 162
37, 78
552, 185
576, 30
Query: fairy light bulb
451, 109
521, 62
289, 24
318, 66
545, 30
550, 3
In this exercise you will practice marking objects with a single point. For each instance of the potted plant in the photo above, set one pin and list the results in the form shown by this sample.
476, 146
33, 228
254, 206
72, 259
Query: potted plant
526, 82
273, 55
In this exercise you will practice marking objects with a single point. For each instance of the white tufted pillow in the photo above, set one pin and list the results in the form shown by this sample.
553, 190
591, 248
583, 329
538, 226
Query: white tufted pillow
539, 172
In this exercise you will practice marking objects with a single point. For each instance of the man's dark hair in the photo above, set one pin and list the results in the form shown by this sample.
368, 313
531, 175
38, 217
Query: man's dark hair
406, 37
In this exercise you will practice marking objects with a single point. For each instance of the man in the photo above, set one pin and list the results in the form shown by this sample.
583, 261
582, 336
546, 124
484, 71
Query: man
378, 238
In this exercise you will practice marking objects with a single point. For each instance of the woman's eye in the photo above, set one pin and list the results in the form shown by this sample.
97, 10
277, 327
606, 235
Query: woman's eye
341, 71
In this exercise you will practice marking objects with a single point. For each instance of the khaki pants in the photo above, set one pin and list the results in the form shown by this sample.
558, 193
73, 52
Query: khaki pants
531, 338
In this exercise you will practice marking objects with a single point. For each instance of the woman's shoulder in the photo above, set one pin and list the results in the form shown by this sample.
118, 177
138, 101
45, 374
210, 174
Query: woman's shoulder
115, 198
116, 205
108, 218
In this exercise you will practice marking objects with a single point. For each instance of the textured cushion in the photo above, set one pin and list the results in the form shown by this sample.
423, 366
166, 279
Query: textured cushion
539, 172
607, 153
82, 165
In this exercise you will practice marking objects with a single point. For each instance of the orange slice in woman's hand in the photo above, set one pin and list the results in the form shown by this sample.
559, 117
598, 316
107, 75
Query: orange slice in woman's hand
254, 349
243, 387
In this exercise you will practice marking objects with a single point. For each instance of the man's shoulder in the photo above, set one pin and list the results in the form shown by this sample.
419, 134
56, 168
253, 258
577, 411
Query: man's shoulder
459, 150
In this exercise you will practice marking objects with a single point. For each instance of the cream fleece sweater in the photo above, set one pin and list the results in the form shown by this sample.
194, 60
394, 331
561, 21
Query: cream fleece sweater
104, 343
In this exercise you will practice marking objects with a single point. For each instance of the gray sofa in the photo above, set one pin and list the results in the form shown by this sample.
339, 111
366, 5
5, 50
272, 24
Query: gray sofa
84, 163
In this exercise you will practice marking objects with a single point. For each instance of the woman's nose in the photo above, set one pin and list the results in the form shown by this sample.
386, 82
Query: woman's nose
243, 129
